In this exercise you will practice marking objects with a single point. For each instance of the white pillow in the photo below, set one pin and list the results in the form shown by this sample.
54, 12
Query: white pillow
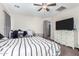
29, 33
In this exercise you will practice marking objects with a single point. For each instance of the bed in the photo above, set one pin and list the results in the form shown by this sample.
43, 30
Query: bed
29, 46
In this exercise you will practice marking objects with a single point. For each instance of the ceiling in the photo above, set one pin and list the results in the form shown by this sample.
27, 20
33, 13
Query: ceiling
30, 9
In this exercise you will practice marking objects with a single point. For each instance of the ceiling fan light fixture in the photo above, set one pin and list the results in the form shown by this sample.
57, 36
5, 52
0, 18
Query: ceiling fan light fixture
44, 7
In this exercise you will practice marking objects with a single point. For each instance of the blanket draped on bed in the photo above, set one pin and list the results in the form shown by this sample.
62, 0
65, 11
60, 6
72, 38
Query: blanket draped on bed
29, 46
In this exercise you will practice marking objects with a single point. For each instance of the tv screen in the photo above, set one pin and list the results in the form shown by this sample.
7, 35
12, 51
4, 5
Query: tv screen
67, 24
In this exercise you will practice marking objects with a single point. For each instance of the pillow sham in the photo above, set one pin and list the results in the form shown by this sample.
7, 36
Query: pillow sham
1, 36
15, 34
24, 33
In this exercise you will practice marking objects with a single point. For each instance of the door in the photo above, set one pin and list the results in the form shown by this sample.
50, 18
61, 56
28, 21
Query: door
47, 29
7, 24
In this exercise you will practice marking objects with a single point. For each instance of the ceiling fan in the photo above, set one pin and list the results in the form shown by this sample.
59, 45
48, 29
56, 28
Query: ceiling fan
44, 6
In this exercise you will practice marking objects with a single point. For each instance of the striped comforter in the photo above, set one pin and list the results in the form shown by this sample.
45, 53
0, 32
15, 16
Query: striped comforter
28, 46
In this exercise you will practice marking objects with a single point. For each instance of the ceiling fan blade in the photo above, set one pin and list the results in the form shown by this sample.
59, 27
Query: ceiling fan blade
39, 9
47, 9
53, 4
37, 5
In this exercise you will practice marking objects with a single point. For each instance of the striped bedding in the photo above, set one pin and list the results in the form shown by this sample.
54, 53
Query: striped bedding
28, 46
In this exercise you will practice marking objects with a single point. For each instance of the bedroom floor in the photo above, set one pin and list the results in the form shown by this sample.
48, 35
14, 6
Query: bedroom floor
67, 51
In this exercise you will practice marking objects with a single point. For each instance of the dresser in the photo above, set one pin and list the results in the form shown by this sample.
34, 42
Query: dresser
66, 38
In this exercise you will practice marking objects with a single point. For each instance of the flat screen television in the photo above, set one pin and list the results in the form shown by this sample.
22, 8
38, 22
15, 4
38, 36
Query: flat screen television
66, 24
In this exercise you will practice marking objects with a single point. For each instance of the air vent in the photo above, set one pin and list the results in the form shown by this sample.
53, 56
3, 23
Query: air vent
61, 8
16, 6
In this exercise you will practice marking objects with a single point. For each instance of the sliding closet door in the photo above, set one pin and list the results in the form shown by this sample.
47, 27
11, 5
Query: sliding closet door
7, 24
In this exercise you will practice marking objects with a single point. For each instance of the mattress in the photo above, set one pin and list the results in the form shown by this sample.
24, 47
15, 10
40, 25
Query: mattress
29, 46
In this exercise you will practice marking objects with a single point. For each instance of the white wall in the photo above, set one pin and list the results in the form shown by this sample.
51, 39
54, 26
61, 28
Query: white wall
68, 14
2, 20
23, 22
27, 22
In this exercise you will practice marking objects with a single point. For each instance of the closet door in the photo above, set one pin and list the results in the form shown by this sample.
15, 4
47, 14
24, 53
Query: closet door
46, 29
7, 24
